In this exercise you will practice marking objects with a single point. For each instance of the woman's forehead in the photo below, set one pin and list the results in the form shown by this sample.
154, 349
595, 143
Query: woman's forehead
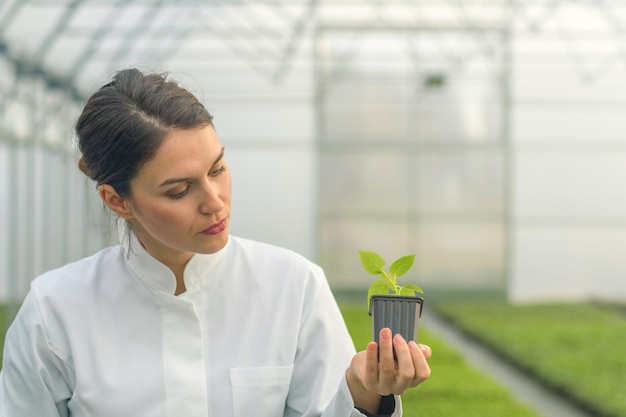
183, 151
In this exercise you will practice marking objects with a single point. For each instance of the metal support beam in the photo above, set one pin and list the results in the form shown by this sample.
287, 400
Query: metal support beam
10, 14
105, 29
59, 28
144, 23
177, 36
296, 36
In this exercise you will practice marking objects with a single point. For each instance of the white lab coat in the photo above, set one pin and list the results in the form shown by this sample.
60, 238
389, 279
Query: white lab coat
257, 333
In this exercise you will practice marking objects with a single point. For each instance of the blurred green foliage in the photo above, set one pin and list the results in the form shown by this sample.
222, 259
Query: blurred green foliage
454, 388
3, 328
579, 349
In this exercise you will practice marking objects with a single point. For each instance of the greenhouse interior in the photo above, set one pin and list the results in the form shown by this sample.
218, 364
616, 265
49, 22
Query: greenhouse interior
486, 137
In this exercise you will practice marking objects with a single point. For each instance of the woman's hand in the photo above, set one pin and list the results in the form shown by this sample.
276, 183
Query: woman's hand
374, 372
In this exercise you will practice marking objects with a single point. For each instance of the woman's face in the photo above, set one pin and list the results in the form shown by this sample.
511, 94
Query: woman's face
180, 200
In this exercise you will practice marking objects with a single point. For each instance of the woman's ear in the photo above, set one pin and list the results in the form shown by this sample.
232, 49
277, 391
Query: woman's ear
115, 202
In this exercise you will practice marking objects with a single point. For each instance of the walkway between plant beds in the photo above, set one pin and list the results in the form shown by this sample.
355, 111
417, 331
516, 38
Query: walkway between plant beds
524, 388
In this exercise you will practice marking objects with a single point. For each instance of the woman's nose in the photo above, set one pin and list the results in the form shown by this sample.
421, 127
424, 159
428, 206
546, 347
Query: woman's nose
211, 202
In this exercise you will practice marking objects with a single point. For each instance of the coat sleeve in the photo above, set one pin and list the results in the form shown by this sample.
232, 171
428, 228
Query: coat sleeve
32, 377
318, 386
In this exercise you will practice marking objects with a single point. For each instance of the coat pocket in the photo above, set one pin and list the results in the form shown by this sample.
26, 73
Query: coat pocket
260, 392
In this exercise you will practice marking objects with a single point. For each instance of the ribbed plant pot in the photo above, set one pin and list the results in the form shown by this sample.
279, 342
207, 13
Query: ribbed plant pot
399, 313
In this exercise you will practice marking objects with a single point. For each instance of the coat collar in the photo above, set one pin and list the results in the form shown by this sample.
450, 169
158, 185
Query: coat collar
159, 277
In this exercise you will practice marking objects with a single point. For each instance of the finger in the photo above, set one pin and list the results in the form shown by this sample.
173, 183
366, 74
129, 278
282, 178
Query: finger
422, 369
386, 364
405, 373
426, 350
369, 379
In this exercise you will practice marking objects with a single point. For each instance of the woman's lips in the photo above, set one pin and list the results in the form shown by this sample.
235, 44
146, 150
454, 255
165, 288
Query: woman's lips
217, 228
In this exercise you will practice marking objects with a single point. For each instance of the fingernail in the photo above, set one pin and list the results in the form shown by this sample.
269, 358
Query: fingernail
398, 338
385, 334
413, 345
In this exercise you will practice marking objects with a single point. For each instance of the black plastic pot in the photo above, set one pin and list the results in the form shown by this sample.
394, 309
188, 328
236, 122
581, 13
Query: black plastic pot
399, 313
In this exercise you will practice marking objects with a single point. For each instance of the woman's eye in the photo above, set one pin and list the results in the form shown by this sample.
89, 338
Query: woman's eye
217, 172
179, 195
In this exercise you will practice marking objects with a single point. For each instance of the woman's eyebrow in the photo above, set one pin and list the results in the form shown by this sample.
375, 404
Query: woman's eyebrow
185, 179
219, 157
174, 181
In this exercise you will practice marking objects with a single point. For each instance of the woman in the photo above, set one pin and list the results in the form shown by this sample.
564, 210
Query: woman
184, 319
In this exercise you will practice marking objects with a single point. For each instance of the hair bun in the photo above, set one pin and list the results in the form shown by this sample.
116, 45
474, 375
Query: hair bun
82, 165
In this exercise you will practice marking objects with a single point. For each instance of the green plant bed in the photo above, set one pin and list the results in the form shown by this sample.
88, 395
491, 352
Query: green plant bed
578, 349
454, 388
3, 328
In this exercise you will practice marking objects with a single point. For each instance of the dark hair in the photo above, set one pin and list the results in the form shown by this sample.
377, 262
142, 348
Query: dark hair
124, 123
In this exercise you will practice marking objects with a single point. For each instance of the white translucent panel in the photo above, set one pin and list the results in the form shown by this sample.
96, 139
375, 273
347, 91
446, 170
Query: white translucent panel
342, 238
441, 14
589, 125
572, 18
7, 76
170, 14
36, 203
130, 15
461, 254
66, 51
364, 182
404, 103
56, 126
77, 224
17, 120
273, 196
366, 109
92, 77
90, 17
359, 87
572, 263
384, 52
457, 110
419, 14
6, 5
22, 232
591, 44
547, 67
459, 50
338, 12
582, 17
143, 46
53, 213
267, 13
485, 14
565, 185
95, 225
32, 26
590, 70
563, 87
282, 122
467, 112
367, 120
460, 183
108, 46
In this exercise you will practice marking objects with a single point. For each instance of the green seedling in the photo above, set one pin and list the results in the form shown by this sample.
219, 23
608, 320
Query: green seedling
388, 282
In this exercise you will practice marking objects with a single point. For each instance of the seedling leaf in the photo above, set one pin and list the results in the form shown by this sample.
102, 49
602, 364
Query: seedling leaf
388, 283
410, 289
372, 262
402, 265
378, 287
